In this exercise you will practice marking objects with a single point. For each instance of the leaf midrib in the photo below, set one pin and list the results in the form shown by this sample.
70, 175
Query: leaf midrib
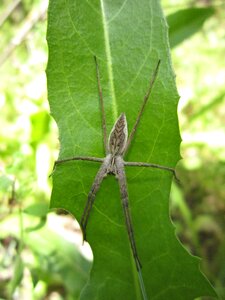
109, 62
115, 109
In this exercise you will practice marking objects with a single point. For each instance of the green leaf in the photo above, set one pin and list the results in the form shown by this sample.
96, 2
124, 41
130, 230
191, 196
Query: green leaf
56, 261
40, 126
17, 275
37, 210
59, 262
207, 108
5, 183
184, 23
128, 38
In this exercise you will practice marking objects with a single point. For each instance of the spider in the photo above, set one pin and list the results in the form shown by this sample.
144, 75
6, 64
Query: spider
115, 148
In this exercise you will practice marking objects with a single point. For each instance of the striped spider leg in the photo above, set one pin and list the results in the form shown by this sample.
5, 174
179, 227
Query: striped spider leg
113, 163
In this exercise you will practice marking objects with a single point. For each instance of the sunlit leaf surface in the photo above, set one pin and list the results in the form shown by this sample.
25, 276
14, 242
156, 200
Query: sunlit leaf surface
128, 38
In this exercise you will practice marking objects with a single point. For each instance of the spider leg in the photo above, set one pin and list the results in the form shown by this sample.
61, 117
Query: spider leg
120, 172
143, 164
87, 158
102, 173
146, 97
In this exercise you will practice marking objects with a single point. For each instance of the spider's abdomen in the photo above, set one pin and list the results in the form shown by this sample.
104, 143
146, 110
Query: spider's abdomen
118, 136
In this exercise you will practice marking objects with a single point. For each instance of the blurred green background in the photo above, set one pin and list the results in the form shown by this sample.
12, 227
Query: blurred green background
41, 253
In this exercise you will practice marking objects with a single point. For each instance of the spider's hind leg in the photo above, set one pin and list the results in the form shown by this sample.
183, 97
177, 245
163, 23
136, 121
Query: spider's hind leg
91, 196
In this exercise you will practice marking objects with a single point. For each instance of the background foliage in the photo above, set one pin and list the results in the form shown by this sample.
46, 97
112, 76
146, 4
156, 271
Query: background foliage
33, 267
